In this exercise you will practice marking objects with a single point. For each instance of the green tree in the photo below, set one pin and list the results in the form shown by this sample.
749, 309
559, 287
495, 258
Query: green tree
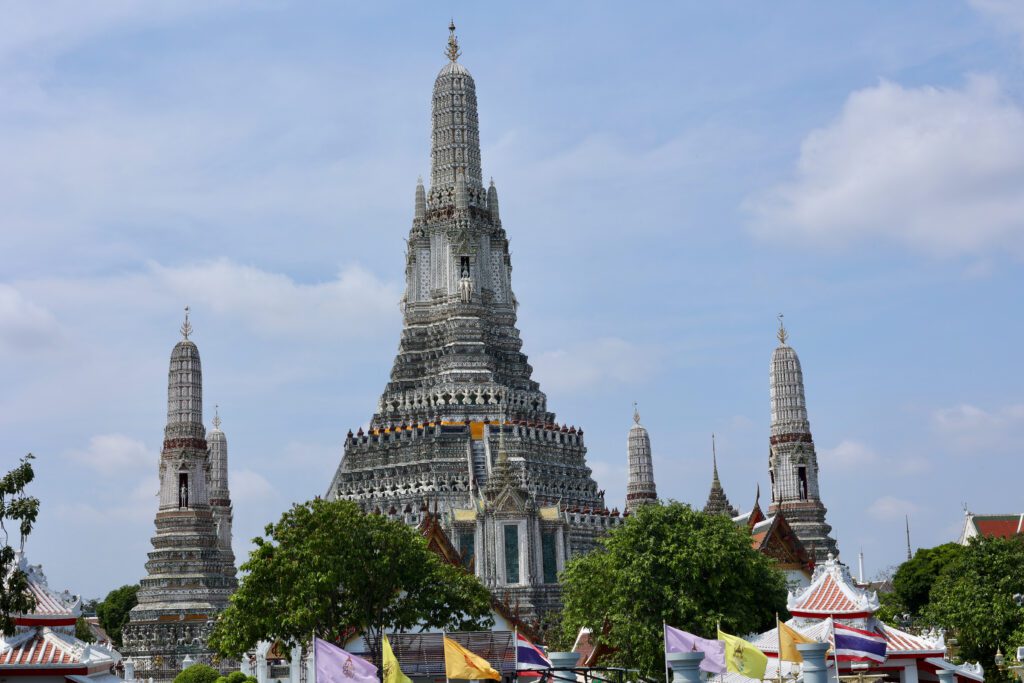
114, 610
974, 596
236, 677
326, 569
913, 581
83, 632
198, 673
669, 563
20, 510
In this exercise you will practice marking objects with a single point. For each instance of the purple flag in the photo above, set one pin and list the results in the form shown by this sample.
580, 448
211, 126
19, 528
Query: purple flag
334, 665
681, 641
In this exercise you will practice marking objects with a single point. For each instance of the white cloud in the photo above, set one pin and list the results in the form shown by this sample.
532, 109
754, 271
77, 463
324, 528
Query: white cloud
1007, 14
111, 453
247, 486
888, 508
354, 304
936, 169
970, 430
24, 325
848, 454
585, 366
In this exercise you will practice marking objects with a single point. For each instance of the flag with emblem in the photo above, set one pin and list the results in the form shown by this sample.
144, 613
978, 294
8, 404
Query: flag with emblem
392, 672
462, 664
743, 658
334, 665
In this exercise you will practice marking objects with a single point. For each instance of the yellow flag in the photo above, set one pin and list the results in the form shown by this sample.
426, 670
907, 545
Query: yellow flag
788, 639
392, 672
743, 658
462, 664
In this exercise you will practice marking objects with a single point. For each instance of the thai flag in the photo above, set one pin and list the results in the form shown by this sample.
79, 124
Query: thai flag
529, 657
857, 645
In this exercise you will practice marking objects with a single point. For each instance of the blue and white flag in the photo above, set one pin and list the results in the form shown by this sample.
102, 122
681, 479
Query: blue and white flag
857, 645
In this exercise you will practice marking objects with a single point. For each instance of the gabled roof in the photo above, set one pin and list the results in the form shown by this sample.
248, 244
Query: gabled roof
44, 647
51, 607
992, 526
832, 593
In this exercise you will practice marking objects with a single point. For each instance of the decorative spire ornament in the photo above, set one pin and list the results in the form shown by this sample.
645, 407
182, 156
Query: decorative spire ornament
216, 416
782, 334
186, 327
452, 52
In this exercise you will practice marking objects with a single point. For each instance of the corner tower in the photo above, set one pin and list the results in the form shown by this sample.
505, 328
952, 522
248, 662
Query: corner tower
460, 377
220, 494
641, 488
188, 582
792, 460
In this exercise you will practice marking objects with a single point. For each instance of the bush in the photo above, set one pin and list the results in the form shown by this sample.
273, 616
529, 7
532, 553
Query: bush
198, 673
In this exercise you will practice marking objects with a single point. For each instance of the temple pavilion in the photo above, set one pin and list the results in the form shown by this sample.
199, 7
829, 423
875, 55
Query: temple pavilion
834, 597
44, 648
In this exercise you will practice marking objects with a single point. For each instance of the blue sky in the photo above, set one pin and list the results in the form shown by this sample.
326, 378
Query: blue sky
672, 176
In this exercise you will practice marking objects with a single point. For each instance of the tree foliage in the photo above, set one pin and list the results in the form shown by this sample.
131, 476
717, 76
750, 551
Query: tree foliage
19, 510
198, 673
236, 677
82, 630
913, 581
326, 569
114, 610
974, 596
669, 563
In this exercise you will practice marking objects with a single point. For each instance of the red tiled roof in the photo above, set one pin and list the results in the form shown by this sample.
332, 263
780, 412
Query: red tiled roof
39, 649
827, 598
903, 642
998, 526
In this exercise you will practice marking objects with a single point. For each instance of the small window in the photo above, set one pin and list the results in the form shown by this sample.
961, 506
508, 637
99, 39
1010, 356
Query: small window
467, 547
183, 489
511, 553
464, 266
549, 556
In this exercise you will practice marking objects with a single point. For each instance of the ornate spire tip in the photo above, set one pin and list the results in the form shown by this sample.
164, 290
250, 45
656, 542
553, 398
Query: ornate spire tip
636, 413
782, 334
186, 327
216, 416
452, 52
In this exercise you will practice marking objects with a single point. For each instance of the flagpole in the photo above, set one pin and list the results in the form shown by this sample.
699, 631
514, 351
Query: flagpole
778, 637
444, 653
835, 654
664, 647
515, 647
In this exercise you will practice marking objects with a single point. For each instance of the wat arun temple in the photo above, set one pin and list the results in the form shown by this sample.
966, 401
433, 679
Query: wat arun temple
462, 440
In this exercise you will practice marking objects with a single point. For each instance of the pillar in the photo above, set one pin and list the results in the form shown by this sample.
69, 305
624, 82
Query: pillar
295, 665
909, 673
946, 676
814, 670
685, 666
564, 660
129, 669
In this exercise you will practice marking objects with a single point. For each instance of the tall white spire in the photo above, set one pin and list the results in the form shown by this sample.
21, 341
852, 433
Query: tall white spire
185, 388
220, 493
793, 462
641, 488
456, 135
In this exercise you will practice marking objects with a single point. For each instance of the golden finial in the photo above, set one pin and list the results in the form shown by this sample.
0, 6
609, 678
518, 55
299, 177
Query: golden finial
783, 335
216, 416
636, 413
453, 53
186, 327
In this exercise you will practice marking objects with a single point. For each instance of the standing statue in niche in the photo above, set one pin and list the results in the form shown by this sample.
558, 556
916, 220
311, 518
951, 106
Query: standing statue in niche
183, 495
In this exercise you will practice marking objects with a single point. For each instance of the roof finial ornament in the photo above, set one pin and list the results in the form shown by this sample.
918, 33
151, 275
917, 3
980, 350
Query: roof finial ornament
636, 413
186, 327
783, 335
453, 53
216, 416
714, 457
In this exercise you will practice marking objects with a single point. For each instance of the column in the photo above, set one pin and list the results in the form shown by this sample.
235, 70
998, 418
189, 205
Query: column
814, 669
946, 676
685, 666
